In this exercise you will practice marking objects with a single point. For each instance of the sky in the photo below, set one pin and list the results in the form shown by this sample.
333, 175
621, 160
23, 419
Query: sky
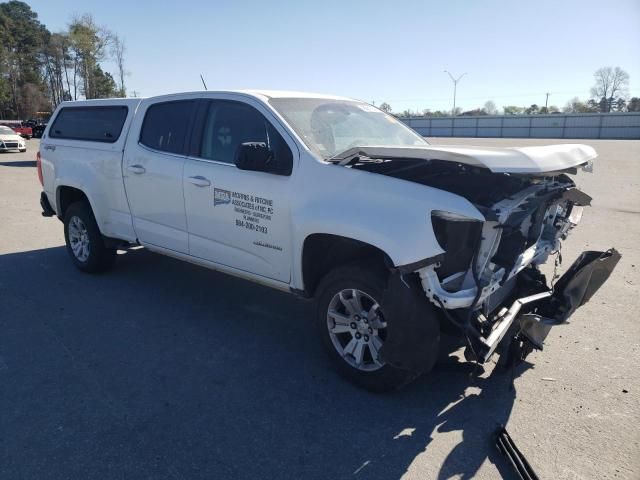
512, 52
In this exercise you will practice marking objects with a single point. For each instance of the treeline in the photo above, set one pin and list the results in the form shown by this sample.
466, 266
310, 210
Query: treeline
575, 105
39, 69
608, 94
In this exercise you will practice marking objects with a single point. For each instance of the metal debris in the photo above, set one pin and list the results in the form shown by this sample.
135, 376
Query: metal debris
508, 448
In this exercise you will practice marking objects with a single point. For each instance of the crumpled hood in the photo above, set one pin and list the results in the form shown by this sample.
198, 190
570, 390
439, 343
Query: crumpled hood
520, 160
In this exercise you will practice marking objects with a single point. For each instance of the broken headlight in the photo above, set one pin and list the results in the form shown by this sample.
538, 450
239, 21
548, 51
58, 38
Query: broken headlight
459, 237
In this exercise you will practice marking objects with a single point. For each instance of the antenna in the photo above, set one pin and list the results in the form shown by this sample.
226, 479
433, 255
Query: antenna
205, 85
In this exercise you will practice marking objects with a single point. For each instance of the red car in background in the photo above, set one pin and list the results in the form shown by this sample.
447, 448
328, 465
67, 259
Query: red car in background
19, 127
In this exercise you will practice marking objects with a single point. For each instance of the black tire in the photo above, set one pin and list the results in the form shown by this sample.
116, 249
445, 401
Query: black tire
372, 281
99, 258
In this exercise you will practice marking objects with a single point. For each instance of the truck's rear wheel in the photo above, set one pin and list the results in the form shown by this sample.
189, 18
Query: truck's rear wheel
84, 242
352, 324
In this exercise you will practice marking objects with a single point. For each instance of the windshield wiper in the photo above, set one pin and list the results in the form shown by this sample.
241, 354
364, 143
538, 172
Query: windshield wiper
365, 154
351, 156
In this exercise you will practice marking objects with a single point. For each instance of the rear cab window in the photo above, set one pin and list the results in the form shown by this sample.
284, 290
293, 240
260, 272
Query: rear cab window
166, 126
91, 123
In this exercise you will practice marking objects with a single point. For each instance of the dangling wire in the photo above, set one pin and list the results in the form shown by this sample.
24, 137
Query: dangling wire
476, 358
557, 263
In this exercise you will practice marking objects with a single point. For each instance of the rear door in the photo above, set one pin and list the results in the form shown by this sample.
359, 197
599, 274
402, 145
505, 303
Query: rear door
153, 168
239, 218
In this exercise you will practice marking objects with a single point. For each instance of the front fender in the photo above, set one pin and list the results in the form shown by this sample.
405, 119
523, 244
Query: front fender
391, 214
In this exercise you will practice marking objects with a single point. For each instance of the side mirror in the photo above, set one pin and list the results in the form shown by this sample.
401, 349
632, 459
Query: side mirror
254, 156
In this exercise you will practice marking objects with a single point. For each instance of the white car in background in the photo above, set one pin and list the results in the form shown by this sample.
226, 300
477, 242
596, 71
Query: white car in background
10, 140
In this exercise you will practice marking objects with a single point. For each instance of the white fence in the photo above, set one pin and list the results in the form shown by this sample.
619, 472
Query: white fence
579, 125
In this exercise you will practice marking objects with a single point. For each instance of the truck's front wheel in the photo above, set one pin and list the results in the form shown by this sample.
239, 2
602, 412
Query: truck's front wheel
84, 242
353, 326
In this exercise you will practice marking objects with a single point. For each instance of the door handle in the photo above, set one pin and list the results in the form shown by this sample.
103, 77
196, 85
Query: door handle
50, 147
137, 169
199, 181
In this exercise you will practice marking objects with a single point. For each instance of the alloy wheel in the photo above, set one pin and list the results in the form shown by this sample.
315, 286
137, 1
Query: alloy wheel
357, 329
79, 239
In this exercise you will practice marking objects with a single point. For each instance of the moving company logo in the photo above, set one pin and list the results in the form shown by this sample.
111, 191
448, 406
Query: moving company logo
221, 197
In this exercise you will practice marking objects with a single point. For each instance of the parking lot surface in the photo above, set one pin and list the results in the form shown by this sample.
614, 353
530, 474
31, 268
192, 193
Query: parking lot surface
161, 369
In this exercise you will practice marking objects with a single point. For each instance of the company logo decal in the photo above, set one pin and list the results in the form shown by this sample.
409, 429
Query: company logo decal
221, 197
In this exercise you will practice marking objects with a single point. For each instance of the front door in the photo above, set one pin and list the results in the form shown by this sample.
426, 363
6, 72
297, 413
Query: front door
238, 218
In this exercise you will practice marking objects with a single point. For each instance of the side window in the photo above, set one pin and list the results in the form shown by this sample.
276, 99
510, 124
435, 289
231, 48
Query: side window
228, 124
93, 124
165, 125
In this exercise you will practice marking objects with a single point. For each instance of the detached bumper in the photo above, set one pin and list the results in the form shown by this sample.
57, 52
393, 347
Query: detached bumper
528, 321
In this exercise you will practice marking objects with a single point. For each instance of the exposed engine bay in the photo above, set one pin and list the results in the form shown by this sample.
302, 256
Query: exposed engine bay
487, 282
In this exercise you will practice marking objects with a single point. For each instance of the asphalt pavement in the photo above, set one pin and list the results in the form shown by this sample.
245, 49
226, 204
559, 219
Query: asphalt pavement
162, 369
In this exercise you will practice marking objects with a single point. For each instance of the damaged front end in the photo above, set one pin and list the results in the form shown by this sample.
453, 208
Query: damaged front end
541, 311
487, 282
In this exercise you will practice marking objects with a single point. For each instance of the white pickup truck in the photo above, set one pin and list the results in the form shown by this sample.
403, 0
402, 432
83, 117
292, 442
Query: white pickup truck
331, 199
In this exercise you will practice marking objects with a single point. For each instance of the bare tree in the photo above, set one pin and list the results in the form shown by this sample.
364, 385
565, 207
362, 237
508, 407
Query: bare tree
89, 44
118, 49
55, 61
385, 107
575, 105
610, 83
490, 108
32, 100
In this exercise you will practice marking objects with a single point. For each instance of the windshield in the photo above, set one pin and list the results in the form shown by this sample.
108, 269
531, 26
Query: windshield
6, 131
329, 127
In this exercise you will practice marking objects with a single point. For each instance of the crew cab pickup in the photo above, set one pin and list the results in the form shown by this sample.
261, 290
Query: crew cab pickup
329, 198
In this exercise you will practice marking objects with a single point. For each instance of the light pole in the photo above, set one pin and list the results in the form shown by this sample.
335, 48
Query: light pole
455, 87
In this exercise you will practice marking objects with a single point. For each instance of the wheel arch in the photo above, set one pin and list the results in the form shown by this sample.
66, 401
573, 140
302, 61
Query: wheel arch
322, 252
66, 195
